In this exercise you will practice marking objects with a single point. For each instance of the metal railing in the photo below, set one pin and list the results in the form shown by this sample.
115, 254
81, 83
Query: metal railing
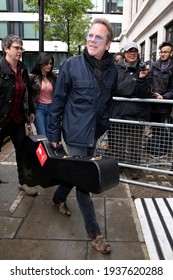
146, 146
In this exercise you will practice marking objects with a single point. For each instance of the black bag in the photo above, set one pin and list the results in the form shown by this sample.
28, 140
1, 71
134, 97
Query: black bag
47, 167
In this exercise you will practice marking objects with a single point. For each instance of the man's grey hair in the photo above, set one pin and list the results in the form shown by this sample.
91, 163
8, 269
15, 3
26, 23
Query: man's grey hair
9, 39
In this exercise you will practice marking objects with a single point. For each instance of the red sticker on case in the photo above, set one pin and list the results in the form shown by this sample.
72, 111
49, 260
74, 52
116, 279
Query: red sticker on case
41, 154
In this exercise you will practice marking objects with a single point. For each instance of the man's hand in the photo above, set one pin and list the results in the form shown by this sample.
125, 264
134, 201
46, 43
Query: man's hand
55, 144
144, 73
158, 96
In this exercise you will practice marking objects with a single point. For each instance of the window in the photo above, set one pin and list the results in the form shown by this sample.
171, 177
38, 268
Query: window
116, 29
137, 6
98, 6
3, 29
29, 31
25, 7
153, 48
143, 51
3, 5
169, 32
114, 6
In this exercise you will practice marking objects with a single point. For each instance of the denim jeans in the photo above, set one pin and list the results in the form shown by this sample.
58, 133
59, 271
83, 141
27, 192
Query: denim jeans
42, 112
17, 135
84, 200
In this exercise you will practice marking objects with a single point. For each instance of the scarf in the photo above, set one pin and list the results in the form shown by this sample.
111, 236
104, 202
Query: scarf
99, 66
130, 65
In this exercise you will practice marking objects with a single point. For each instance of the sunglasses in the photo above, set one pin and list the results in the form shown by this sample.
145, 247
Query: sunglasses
97, 38
49, 63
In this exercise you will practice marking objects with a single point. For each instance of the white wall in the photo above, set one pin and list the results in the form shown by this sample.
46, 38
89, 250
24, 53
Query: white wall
151, 17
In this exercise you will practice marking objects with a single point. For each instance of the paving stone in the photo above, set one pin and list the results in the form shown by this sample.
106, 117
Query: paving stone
8, 187
119, 220
119, 251
9, 226
44, 220
42, 250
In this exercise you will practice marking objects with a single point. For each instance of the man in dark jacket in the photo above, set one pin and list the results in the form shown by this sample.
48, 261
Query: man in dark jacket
162, 81
80, 111
16, 105
132, 83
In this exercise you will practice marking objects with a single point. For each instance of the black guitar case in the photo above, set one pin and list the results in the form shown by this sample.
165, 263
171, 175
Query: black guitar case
45, 166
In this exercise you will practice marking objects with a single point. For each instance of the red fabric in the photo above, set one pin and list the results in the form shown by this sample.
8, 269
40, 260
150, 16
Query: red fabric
16, 113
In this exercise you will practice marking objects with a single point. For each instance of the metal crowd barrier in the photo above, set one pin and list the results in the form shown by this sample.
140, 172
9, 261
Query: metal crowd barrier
146, 146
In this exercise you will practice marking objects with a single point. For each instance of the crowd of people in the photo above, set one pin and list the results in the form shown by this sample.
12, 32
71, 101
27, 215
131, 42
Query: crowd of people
73, 110
154, 81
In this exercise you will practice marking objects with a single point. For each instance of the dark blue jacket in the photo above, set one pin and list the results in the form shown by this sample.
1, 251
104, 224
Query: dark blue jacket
80, 109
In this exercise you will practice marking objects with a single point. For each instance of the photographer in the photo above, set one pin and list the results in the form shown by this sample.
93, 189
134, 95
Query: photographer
133, 82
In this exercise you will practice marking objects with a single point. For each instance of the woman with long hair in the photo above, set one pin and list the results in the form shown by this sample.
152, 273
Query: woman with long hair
42, 82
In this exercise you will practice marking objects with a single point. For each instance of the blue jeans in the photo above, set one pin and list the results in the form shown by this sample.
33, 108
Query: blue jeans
42, 113
84, 200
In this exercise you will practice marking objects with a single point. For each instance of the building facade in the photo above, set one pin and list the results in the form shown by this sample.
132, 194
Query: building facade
15, 19
148, 23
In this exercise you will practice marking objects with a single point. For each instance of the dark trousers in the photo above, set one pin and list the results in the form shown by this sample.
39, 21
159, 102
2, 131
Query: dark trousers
17, 135
83, 198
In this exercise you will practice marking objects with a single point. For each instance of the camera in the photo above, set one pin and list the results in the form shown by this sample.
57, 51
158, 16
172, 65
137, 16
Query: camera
143, 65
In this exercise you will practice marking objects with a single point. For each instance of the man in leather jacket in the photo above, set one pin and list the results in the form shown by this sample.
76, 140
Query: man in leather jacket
162, 82
16, 105
80, 111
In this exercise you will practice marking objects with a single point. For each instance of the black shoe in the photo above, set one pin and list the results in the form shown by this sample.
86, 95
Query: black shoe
135, 174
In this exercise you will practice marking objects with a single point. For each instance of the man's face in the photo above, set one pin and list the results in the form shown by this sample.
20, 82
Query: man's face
14, 52
97, 42
131, 55
165, 53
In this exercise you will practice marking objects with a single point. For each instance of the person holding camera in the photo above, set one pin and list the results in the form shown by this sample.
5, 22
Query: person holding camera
125, 140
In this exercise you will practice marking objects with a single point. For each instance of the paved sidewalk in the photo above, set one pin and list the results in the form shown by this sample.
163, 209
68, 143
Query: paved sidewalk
32, 228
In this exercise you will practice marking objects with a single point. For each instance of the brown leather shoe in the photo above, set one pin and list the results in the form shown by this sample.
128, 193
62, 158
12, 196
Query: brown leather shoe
63, 209
135, 174
101, 245
30, 191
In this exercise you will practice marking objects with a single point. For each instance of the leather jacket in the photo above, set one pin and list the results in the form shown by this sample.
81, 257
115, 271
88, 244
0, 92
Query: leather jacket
162, 84
7, 91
